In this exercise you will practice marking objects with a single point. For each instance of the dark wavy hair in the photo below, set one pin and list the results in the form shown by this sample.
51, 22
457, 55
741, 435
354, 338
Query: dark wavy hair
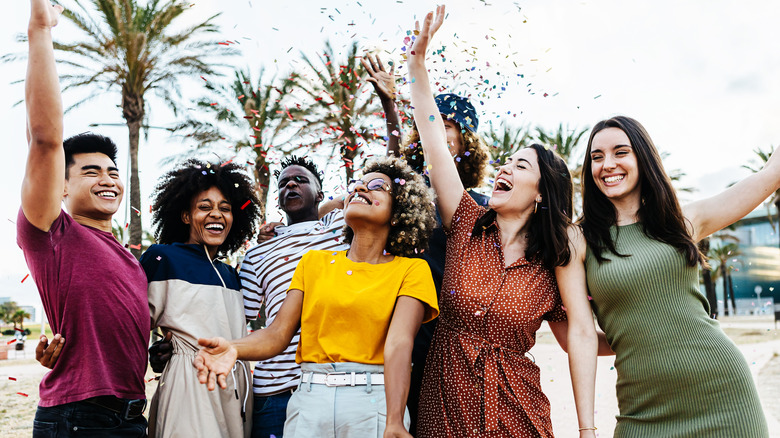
659, 211
294, 160
176, 189
412, 213
471, 163
548, 242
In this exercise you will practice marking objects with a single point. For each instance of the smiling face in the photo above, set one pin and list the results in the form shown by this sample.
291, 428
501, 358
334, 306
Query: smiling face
454, 139
210, 218
299, 194
370, 206
614, 165
516, 188
92, 187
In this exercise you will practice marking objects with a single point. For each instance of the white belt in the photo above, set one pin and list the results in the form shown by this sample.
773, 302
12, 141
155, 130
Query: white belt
343, 379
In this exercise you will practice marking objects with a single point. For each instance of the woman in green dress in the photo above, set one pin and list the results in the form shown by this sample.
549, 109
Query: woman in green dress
635, 254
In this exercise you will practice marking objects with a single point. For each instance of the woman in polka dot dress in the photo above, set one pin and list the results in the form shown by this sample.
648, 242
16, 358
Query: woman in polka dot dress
498, 281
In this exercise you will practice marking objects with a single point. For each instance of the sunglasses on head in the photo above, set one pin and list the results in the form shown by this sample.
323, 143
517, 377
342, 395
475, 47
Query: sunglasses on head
374, 184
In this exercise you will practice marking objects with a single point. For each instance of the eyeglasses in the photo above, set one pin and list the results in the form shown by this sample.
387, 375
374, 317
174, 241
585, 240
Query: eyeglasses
374, 184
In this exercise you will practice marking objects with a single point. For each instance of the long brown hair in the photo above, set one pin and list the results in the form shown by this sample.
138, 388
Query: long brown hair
547, 242
659, 210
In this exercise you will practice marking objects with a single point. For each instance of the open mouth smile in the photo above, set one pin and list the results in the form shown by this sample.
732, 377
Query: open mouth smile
502, 185
613, 178
358, 198
215, 227
106, 194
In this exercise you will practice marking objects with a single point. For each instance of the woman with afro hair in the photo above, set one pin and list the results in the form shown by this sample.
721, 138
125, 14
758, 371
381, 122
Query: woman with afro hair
201, 213
358, 311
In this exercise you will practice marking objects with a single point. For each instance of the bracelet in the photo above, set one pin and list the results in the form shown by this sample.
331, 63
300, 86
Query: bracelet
588, 428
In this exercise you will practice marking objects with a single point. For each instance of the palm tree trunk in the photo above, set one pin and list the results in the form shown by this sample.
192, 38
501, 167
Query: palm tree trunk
709, 285
133, 112
725, 292
731, 292
263, 179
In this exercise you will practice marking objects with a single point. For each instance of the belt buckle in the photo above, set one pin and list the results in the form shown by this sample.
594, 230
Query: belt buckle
126, 415
328, 381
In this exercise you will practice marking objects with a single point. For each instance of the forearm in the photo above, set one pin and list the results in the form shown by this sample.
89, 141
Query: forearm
398, 371
261, 344
393, 127
330, 205
582, 367
42, 90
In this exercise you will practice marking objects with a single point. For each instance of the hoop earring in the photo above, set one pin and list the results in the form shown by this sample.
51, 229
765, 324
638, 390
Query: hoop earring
536, 206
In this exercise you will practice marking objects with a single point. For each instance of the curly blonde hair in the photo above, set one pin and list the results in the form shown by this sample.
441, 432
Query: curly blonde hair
413, 212
471, 164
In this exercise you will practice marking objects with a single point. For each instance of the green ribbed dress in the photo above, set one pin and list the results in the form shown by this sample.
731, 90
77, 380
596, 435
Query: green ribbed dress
678, 373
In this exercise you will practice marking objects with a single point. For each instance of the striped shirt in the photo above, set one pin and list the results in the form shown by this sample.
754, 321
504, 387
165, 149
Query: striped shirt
265, 276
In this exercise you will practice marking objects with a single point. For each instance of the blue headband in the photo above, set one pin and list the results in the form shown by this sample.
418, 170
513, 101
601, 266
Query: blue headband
459, 109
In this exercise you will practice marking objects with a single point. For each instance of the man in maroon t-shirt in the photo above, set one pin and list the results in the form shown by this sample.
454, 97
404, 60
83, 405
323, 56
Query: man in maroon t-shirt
93, 290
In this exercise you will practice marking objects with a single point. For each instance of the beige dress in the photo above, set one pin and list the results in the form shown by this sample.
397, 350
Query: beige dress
193, 297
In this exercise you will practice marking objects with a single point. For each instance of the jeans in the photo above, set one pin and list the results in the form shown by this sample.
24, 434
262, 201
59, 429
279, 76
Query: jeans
83, 419
269, 414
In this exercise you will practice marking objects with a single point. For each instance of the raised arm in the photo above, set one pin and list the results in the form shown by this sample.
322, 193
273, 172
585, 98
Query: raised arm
44, 177
441, 168
407, 318
713, 214
218, 355
384, 85
582, 341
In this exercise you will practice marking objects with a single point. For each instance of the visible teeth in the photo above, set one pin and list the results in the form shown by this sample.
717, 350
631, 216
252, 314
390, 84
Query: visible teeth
503, 184
215, 227
616, 178
107, 194
361, 199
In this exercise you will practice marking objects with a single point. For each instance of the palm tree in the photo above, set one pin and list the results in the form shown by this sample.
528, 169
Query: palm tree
339, 109
723, 254
707, 279
251, 116
133, 48
775, 198
565, 141
503, 141
19, 316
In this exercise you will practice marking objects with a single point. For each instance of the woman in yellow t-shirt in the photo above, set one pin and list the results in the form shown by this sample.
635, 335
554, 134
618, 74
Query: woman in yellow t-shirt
358, 311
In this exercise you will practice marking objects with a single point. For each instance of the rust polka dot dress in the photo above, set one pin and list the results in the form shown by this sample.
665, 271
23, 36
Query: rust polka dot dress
478, 380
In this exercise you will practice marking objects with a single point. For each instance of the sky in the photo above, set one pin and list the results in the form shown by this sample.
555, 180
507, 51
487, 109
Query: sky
699, 75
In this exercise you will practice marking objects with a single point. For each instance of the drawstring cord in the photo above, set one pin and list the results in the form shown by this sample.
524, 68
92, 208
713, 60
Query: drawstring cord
246, 391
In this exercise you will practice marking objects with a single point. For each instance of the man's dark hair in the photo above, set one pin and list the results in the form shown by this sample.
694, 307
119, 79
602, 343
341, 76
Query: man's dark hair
309, 165
87, 143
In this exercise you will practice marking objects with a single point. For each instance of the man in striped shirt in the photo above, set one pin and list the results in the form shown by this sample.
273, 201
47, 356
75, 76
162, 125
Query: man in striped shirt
266, 274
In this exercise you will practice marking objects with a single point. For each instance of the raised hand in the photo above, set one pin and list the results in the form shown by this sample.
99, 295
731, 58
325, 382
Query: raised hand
43, 14
214, 361
424, 36
383, 81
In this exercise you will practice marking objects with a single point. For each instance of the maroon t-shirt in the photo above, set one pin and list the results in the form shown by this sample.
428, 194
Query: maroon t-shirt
94, 294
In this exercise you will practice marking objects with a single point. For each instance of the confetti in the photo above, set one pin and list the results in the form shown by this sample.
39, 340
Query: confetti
249, 201
349, 272
22, 394
12, 378
25, 277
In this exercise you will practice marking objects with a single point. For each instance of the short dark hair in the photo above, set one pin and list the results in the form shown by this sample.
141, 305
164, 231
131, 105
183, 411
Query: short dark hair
309, 165
413, 213
659, 212
87, 143
177, 188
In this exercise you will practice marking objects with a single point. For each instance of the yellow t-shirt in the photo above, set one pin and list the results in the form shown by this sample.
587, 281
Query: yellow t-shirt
347, 306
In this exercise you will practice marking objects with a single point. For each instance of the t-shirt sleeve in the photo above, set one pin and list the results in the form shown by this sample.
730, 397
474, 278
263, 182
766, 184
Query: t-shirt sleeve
250, 286
298, 276
334, 219
418, 283
31, 238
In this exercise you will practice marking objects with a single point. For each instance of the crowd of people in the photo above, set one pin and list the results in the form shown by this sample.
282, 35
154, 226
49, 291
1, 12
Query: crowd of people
403, 307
